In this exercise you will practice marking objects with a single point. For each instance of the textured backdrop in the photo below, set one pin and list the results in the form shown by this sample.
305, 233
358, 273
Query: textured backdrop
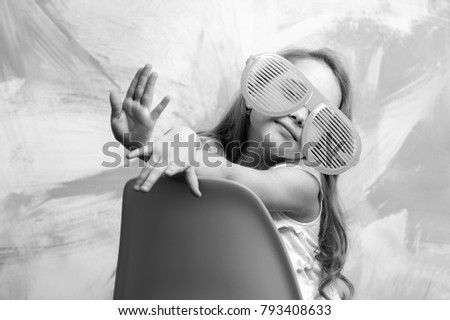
60, 208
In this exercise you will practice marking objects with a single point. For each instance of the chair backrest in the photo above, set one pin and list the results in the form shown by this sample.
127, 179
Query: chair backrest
223, 245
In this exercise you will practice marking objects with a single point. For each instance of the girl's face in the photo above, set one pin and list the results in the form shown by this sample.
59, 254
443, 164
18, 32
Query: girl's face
285, 132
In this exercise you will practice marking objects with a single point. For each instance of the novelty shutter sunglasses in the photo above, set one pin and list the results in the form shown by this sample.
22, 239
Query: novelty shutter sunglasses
275, 87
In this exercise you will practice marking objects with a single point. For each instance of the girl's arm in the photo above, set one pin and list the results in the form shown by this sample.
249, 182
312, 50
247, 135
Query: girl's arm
281, 189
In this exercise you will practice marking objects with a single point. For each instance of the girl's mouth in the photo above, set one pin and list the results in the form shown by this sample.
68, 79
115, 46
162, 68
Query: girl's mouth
287, 131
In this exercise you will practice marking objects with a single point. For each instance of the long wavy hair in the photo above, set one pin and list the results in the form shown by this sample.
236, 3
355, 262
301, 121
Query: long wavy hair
231, 132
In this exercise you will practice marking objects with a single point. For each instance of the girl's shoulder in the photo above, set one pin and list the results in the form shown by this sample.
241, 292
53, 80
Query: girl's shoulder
314, 217
302, 166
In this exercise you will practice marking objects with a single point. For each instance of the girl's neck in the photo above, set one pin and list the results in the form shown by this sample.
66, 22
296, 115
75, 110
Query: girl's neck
255, 154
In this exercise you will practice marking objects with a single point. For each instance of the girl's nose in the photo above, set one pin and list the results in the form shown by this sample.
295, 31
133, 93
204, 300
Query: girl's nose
299, 116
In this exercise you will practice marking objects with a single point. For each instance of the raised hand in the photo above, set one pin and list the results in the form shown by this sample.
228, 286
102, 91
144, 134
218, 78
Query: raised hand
133, 121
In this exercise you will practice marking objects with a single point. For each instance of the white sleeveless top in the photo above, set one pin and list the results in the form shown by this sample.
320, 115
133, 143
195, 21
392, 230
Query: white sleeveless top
301, 241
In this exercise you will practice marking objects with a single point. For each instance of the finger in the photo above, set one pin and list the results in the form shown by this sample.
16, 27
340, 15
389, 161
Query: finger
133, 84
147, 97
192, 180
142, 82
149, 166
145, 172
146, 150
116, 105
152, 178
172, 170
156, 112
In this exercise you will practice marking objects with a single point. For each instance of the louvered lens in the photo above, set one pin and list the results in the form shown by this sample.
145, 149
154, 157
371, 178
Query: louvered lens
273, 87
334, 145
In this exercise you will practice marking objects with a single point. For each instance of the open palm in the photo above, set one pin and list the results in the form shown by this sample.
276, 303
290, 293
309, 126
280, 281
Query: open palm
133, 120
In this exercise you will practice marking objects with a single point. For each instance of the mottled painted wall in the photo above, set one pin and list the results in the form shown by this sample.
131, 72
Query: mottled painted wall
60, 208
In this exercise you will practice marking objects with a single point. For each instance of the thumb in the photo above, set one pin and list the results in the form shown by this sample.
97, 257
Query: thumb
116, 105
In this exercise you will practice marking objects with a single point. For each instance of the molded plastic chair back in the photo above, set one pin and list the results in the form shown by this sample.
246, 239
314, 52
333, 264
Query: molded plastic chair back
223, 245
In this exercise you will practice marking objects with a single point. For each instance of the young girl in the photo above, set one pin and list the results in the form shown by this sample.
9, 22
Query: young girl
302, 202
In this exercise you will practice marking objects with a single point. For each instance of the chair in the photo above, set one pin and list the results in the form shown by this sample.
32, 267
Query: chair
223, 245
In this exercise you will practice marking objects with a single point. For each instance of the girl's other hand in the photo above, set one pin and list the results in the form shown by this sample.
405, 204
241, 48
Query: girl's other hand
169, 159
133, 116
